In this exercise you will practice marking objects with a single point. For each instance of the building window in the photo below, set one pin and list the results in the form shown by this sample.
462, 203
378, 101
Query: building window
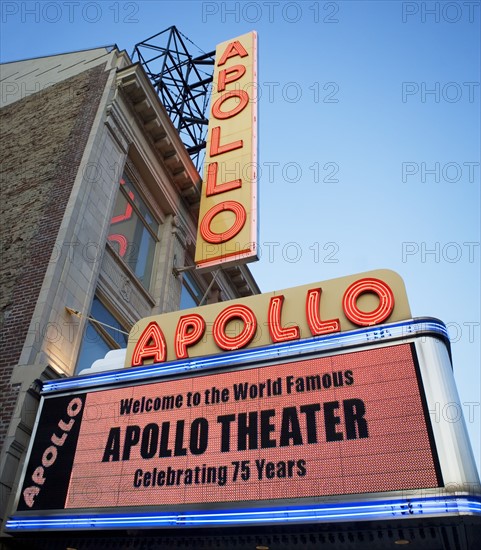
191, 294
99, 338
133, 231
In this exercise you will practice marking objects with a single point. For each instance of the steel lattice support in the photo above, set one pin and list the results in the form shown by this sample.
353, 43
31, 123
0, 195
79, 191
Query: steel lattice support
182, 82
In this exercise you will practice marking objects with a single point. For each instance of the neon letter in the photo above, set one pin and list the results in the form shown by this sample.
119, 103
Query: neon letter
233, 49
313, 315
237, 72
243, 97
362, 318
216, 238
212, 188
190, 329
217, 149
237, 311
151, 345
279, 333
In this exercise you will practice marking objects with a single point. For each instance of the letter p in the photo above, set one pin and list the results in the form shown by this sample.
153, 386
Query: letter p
9, 89
408, 9
227, 76
409, 249
409, 169
189, 331
9, 8
209, 8
409, 88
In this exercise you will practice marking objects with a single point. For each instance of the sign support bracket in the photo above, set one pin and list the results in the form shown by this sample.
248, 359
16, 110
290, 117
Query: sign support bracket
216, 272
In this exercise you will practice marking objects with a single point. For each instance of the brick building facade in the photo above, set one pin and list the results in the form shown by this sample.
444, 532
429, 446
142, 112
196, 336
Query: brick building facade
99, 212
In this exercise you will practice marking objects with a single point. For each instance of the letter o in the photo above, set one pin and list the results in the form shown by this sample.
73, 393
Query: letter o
458, 412
74, 407
237, 311
380, 314
298, 14
199, 436
457, 15
326, 380
97, 16
258, 15
458, 89
458, 250
58, 14
216, 238
221, 115
150, 439
49, 460
459, 172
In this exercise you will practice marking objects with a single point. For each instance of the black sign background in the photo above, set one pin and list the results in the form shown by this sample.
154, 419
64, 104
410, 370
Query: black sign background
53, 492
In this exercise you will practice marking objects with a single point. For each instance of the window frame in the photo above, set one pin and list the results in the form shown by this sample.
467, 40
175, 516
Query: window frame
189, 280
135, 181
100, 330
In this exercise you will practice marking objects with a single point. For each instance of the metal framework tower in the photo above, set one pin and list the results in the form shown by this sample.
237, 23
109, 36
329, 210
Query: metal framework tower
182, 82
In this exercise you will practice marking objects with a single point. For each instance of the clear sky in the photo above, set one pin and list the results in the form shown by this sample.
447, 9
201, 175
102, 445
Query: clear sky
369, 144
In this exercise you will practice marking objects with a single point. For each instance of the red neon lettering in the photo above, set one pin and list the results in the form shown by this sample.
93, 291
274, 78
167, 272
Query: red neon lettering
122, 242
237, 71
242, 95
190, 329
128, 210
217, 149
279, 333
151, 345
232, 49
216, 238
380, 314
212, 188
116, 237
313, 315
237, 311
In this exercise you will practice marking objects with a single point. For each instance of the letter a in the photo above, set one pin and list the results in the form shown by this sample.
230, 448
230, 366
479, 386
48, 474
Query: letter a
151, 345
233, 49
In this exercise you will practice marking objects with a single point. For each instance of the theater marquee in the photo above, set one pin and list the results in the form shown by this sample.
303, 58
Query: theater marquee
313, 310
319, 398
312, 427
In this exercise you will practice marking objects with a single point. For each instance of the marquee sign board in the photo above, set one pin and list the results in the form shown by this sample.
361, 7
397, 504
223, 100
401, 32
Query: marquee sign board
227, 230
275, 427
313, 310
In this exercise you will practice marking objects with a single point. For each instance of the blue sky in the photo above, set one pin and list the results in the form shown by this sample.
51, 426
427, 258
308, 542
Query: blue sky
369, 144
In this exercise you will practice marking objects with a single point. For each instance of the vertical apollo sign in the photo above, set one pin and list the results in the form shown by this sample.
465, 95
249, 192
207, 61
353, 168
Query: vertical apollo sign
227, 231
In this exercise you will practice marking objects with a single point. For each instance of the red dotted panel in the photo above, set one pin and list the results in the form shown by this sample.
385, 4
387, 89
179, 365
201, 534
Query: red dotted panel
369, 399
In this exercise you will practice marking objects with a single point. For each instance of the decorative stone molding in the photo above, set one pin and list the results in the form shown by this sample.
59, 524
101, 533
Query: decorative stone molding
121, 287
180, 231
115, 126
